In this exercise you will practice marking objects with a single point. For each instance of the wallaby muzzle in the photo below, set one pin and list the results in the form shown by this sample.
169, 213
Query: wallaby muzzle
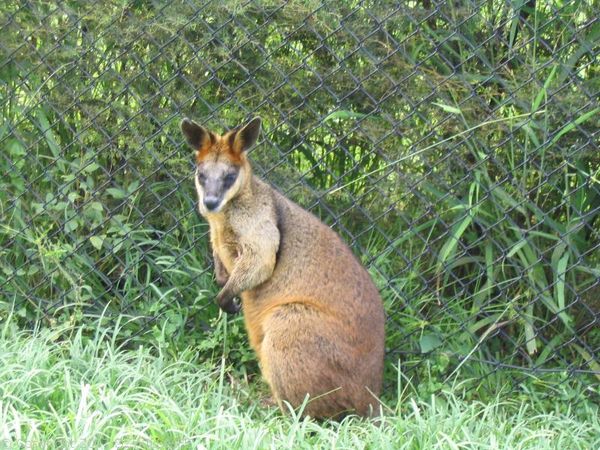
211, 203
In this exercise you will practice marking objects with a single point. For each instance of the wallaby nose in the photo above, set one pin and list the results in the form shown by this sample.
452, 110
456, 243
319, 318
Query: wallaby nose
211, 203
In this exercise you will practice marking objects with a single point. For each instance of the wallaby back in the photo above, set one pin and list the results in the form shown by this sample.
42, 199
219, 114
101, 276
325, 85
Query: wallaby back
312, 312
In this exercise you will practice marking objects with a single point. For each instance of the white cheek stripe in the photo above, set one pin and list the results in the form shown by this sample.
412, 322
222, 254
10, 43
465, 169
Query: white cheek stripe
200, 193
234, 189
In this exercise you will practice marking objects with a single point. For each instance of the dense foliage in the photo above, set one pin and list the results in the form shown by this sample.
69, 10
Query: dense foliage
453, 144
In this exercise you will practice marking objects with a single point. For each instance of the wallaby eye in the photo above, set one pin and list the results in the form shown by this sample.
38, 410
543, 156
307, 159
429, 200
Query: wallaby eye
201, 178
229, 180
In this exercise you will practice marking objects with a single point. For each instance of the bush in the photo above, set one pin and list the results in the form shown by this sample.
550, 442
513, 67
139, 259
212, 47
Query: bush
453, 149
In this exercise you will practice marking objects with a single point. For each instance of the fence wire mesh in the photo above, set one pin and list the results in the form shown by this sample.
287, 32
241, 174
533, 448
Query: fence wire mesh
453, 144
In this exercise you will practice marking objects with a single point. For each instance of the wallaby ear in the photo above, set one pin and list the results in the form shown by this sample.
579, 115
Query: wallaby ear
195, 134
246, 136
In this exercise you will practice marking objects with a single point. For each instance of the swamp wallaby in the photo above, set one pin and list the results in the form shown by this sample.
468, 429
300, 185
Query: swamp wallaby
313, 315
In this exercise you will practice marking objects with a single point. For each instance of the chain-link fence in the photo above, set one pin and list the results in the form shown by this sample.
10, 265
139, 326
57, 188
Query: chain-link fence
453, 144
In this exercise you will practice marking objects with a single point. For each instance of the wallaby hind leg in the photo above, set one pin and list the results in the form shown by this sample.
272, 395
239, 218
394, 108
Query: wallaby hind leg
303, 353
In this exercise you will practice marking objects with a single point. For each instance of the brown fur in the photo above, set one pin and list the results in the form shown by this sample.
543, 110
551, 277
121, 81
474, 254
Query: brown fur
313, 315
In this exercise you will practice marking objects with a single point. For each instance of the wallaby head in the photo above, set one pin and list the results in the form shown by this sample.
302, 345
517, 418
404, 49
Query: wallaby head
222, 168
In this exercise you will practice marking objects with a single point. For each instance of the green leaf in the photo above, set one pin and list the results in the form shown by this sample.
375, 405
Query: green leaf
559, 286
344, 114
586, 43
429, 342
508, 199
448, 108
571, 125
455, 235
516, 248
116, 193
542, 94
133, 186
91, 167
96, 206
48, 133
517, 5
591, 361
15, 148
97, 241
530, 341
71, 225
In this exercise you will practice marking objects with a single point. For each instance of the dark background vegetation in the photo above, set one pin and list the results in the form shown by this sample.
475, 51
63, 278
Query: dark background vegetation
453, 144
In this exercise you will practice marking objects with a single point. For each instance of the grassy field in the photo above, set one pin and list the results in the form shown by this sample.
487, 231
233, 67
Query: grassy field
89, 393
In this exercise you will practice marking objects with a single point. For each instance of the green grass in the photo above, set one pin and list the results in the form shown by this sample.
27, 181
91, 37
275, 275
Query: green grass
89, 393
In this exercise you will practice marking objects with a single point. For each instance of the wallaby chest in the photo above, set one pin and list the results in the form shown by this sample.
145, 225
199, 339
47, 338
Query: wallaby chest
225, 242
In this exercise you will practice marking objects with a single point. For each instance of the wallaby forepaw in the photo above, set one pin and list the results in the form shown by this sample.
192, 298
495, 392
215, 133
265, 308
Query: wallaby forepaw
228, 303
221, 279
